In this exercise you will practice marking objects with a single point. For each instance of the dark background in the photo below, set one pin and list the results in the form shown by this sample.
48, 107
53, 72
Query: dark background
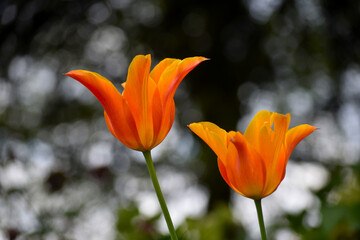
63, 175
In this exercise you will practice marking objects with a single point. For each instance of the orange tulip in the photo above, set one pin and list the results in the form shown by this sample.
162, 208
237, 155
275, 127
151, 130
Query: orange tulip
142, 115
253, 164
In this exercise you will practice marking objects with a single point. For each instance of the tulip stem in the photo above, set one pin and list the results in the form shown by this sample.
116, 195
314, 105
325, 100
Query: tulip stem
261, 219
150, 165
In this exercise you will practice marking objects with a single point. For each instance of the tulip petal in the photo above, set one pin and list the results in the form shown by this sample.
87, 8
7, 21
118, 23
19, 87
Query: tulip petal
102, 88
167, 120
271, 140
295, 135
175, 73
245, 168
223, 172
119, 119
159, 69
109, 124
271, 144
123, 129
214, 136
157, 111
252, 132
281, 125
136, 93
275, 174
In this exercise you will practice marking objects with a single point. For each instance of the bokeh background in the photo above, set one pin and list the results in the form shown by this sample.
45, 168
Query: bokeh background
64, 176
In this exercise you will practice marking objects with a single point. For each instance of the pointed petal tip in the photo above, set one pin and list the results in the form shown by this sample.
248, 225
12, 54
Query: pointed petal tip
198, 58
192, 125
203, 58
68, 73
312, 127
73, 73
315, 129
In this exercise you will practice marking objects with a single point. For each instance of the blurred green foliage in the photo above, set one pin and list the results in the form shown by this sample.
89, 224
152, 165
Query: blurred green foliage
339, 211
217, 224
131, 225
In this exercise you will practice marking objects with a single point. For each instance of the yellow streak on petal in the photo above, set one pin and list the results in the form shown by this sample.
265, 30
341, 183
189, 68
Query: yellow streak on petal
252, 132
271, 142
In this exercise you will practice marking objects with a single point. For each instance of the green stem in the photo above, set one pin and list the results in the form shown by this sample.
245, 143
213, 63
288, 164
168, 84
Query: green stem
261, 219
150, 165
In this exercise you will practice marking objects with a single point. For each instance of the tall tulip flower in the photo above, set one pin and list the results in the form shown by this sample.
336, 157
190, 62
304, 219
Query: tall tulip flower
141, 116
254, 163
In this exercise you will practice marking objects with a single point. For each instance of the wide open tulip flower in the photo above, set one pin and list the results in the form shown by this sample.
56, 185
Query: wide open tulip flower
142, 115
254, 163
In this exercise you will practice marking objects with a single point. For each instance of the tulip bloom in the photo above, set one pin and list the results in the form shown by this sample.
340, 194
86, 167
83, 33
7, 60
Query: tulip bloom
142, 115
253, 164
